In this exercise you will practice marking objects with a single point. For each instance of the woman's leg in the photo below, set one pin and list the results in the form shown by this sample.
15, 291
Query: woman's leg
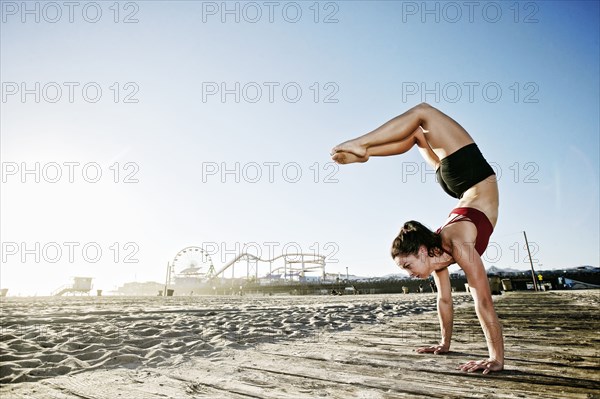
399, 147
382, 150
394, 131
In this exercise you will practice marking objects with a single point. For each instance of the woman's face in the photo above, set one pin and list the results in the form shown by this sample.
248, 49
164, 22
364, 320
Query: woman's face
416, 266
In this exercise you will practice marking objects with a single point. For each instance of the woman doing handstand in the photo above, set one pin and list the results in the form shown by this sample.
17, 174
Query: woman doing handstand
463, 173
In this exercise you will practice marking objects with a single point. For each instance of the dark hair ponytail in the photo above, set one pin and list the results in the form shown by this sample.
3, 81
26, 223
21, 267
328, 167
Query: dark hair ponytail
414, 234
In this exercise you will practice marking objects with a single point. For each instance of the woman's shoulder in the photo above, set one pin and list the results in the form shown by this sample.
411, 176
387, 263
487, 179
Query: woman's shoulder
460, 232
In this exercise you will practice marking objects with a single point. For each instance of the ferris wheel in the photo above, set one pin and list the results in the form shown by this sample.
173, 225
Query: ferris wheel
193, 262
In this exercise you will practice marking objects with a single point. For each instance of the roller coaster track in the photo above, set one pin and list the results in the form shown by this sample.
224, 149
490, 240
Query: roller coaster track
317, 259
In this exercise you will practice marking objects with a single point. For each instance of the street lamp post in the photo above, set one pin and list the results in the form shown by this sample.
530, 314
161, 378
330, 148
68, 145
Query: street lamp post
535, 285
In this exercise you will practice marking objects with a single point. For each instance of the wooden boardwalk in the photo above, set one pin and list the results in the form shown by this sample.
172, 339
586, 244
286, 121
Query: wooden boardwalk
552, 342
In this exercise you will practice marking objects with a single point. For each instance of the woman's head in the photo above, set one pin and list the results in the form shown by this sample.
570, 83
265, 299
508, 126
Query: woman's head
413, 247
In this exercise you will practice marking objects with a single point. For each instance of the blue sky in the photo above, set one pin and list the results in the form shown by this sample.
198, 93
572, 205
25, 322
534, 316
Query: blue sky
533, 110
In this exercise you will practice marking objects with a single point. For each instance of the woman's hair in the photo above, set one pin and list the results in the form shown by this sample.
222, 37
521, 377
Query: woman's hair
412, 235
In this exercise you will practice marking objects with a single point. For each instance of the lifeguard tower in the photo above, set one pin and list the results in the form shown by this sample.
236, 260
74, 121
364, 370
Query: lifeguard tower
80, 285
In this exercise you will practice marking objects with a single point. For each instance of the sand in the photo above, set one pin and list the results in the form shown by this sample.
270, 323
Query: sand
293, 347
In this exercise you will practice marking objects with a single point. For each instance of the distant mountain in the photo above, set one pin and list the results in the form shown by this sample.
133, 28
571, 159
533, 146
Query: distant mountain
505, 271
508, 270
394, 276
585, 268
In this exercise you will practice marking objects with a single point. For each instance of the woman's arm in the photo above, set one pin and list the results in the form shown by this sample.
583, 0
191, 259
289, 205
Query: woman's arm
444, 305
465, 255
445, 312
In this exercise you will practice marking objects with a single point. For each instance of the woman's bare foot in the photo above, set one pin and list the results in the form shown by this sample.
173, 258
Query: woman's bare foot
352, 147
346, 157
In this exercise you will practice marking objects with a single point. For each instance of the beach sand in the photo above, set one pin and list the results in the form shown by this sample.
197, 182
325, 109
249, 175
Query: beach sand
293, 347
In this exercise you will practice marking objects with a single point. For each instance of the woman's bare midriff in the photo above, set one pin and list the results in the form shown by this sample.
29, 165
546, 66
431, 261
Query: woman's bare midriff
484, 197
